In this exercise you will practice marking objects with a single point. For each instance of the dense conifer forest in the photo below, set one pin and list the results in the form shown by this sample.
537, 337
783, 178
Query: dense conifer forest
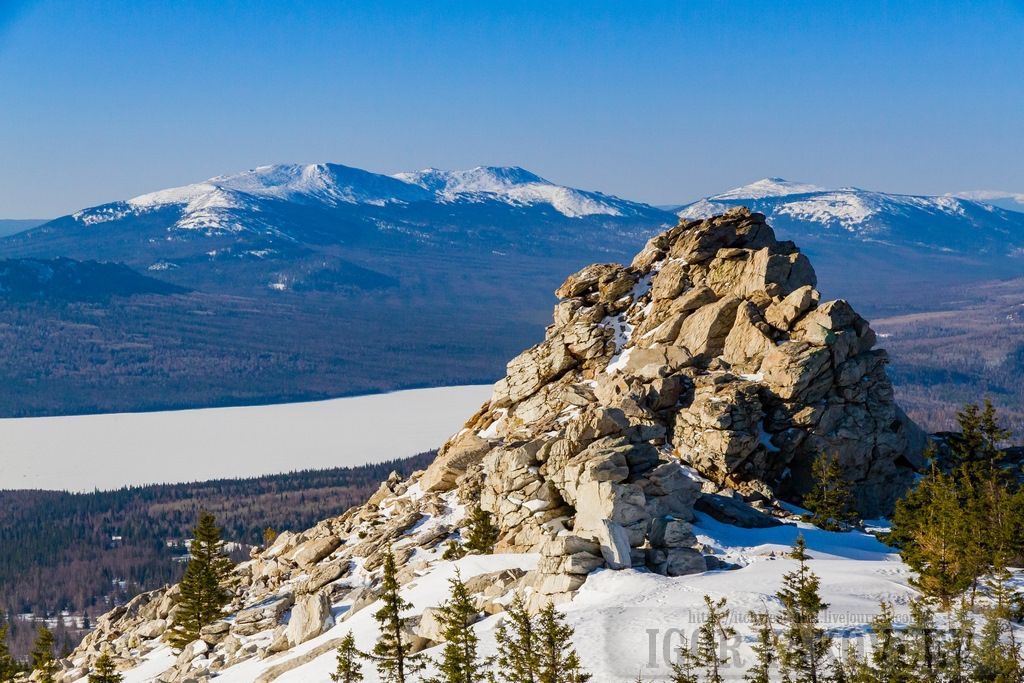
78, 554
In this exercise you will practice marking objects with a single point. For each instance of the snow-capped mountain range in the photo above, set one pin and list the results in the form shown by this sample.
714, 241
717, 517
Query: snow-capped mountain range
214, 204
944, 224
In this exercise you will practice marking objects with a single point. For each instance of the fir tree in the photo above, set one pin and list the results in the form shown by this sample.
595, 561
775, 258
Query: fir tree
764, 650
8, 666
518, 642
854, 668
831, 499
837, 672
43, 660
349, 670
997, 657
684, 668
803, 644
395, 663
979, 437
937, 538
104, 672
558, 661
956, 668
482, 533
993, 503
925, 646
459, 660
453, 551
205, 586
889, 657
710, 635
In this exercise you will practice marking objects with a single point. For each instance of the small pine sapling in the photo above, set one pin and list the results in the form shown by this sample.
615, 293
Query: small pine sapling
349, 669
831, 500
104, 671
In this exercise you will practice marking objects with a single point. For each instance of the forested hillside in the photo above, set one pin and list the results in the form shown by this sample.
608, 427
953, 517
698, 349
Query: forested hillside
78, 554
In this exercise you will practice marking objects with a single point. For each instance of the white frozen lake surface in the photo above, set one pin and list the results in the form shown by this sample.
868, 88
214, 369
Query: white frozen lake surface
86, 452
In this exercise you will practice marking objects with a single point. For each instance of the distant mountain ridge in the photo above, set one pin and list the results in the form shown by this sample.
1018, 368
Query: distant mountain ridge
208, 205
10, 226
1011, 201
323, 280
68, 280
310, 282
290, 224
947, 224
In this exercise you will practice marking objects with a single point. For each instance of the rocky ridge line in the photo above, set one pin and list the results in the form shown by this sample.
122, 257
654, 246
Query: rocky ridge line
706, 375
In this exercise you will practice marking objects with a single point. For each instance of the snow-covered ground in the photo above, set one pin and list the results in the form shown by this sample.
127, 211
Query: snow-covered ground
630, 621
82, 453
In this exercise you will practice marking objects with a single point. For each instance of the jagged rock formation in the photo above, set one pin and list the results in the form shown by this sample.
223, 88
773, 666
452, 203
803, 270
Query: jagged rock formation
712, 351
705, 375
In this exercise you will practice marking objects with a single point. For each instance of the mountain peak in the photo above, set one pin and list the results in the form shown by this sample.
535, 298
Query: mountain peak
950, 224
493, 179
335, 184
769, 187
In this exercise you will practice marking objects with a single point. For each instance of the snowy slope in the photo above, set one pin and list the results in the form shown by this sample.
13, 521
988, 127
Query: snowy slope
109, 451
515, 186
945, 224
1011, 201
630, 620
206, 205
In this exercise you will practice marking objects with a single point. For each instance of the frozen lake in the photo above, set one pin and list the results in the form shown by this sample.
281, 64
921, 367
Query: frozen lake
86, 452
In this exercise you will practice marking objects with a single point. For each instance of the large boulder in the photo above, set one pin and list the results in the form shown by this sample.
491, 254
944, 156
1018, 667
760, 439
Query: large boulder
314, 550
453, 461
308, 619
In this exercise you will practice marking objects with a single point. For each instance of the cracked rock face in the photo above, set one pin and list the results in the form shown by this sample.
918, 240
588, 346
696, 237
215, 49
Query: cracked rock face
711, 352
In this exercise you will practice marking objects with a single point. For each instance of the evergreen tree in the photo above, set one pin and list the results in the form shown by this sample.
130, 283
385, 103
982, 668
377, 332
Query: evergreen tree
349, 670
459, 660
855, 668
710, 635
205, 586
558, 661
104, 672
889, 657
482, 533
803, 644
395, 663
937, 537
43, 660
979, 437
453, 551
518, 644
997, 657
831, 499
684, 668
837, 672
956, 667
925, 646
764, 650
967, 446
993, 502
8, 666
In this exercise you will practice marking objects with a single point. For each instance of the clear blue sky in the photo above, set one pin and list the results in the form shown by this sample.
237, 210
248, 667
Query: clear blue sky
654, 101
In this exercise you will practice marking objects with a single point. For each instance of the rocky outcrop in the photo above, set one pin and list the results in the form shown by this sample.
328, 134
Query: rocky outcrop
706, 375
718, 356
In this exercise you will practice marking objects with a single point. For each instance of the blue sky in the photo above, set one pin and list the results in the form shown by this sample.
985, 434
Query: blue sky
660, 102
